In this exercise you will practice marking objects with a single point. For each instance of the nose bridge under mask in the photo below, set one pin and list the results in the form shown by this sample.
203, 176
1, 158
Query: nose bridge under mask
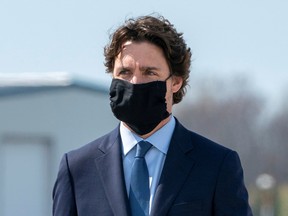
141, 106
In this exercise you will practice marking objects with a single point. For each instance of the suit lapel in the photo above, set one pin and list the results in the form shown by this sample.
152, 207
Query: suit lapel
111, 171
176, 169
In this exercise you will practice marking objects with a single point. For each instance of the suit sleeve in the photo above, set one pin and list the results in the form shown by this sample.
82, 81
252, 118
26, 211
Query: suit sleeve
231, 196
63, 193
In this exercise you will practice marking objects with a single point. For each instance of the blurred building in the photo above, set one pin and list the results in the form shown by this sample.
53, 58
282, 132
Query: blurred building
42, 116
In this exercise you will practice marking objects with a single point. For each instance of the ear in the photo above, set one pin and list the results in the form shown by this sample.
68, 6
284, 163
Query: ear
177, 82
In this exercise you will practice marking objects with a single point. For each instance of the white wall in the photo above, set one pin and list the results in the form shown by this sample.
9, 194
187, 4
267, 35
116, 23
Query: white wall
35, 131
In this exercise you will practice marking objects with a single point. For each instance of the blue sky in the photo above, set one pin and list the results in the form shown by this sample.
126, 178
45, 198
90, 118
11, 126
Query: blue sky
226, 37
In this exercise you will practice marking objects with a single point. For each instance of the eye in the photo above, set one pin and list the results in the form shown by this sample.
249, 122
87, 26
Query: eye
123, 72
150, 73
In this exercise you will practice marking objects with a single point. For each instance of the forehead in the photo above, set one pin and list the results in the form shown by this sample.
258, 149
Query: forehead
141, 52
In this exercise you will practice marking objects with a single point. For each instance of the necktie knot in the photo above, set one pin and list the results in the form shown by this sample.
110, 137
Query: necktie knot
142, 149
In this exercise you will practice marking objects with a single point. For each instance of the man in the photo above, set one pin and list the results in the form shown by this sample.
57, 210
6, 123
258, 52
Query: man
180, 172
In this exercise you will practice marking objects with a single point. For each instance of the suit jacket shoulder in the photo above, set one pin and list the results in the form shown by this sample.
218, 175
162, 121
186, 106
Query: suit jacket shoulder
90, 180
95, 148
189, 140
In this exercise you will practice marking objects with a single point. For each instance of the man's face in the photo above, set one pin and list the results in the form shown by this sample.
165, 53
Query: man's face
142, 62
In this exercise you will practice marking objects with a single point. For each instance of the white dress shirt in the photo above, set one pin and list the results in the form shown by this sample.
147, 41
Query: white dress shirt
155, 157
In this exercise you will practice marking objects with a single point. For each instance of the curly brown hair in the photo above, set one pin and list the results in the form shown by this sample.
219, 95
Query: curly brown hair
160, 32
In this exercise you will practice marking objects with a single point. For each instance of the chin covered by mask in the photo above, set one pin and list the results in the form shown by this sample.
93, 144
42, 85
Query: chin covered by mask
141, 106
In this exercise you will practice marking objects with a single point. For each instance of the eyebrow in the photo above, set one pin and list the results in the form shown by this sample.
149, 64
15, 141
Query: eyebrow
145, 68
142, 68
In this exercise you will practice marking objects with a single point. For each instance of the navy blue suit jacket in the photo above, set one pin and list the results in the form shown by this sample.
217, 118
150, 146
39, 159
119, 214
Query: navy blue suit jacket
199, 177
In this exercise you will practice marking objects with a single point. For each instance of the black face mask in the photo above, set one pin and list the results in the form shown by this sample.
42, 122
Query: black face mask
141, 106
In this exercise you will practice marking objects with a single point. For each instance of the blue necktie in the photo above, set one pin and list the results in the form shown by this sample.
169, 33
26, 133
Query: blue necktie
139, 194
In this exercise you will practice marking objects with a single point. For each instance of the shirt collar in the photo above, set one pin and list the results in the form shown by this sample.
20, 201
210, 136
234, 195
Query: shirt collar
160, 139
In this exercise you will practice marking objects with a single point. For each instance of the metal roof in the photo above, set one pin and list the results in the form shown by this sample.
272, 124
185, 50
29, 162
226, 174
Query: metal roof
23, 83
